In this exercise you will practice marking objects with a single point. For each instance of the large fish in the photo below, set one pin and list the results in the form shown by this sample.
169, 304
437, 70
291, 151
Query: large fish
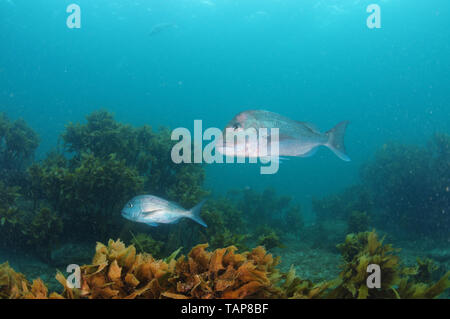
295, 138
152, 210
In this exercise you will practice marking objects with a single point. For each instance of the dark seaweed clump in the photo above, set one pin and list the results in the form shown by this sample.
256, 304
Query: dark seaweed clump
404, 190
18, 143
77, 191
410, 186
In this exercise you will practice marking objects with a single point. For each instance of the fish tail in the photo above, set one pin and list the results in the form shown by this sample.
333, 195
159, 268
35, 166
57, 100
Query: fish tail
336, 140
195, 213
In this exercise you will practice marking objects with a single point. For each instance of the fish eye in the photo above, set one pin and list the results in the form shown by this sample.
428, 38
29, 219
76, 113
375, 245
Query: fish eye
130, 205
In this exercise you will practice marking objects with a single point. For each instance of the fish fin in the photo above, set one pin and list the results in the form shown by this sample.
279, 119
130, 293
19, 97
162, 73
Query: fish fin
150, 212
336, 140
195, 213
310, 153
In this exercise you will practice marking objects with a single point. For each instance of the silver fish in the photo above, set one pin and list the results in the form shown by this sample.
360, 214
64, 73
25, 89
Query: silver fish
295, 138
152, 210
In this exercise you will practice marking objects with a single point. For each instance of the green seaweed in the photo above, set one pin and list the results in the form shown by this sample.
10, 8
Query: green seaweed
358, 222
268, 238
18, 143
142, 149
146, 244
342, 204
363, 249
225, 222
409, 184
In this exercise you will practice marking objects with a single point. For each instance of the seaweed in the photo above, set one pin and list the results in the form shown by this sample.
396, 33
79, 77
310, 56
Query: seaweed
425, 269
146, 243
294, 287
268, 209
43, 232
342, 204
294, 223
89, 188
18, 143
268, 238
357, 222
141, 149
226, 225
409, 184
118, 271
14, 285
363, 249
10, 282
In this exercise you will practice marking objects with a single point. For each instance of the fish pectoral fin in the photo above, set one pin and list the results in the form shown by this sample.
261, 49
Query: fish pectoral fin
150, 212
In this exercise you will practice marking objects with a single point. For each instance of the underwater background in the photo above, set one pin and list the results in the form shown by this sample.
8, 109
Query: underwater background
86, 116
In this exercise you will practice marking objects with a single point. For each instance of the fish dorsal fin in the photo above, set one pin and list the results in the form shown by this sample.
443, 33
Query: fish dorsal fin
150, 212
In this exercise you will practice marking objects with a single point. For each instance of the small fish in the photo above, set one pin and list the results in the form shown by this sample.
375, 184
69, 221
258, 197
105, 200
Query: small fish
295, 138
152, 210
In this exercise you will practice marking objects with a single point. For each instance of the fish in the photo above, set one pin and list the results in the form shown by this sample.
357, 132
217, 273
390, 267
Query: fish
295, 138
153, 210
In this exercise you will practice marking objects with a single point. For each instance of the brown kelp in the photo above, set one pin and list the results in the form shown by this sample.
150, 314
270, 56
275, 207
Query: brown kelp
14, 285
118, 271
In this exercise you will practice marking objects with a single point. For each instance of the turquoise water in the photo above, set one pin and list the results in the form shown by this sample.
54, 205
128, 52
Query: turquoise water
314, 61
